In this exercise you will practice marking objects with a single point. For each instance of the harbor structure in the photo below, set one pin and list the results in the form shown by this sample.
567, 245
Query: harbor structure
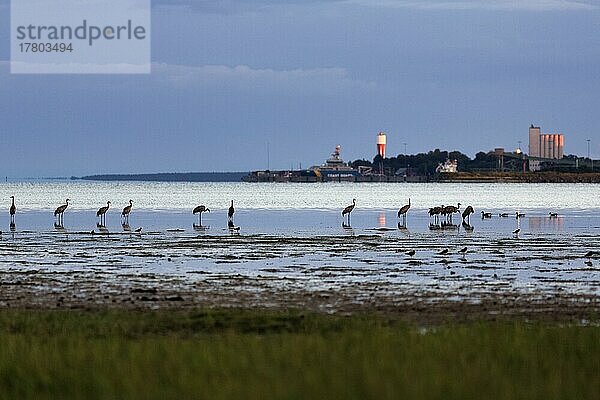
545, 145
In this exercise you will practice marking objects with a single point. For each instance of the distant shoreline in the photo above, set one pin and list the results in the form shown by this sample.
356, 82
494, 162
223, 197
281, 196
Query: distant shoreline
466, 177
169, 177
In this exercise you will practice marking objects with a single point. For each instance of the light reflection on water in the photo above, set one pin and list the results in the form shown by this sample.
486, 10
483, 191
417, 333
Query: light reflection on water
273, 196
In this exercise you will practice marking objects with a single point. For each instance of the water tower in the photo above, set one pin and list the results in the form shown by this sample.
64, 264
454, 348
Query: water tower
381, 143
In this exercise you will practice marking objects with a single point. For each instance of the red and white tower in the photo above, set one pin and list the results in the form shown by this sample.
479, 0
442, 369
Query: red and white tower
381, 143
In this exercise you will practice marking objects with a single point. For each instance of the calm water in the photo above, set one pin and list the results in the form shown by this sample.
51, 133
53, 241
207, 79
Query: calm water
300, 208
291, 238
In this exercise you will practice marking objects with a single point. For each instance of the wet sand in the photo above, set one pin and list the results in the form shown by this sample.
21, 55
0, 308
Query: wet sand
542, 276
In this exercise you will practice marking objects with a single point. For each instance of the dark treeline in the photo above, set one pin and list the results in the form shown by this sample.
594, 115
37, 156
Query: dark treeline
171, 177
426, 163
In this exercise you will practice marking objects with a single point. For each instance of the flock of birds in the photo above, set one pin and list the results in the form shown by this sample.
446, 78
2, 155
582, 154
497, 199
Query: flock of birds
102, 211
436, 213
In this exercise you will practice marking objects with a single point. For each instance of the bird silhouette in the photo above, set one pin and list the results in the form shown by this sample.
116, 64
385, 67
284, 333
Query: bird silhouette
516, 231
444, 252
411, 253
127, 211
138, 230
60, 211
12, 211
553, 214
102, 213
349, 209
466, 215
463, 250
503, 215
231, 211
199, 210
519, 215
486, 215
403, 211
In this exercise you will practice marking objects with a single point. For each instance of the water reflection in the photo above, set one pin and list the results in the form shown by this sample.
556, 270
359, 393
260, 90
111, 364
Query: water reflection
547, 223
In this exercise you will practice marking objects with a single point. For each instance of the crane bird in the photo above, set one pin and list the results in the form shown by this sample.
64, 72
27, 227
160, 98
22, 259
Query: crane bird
466, 215
102, 213
450, 210
126, 212
199, 210
12, 211
403, 211
349, 209
435, 212
60, 211
231, 211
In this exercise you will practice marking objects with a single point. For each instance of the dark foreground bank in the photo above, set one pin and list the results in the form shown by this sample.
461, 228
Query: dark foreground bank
256, 354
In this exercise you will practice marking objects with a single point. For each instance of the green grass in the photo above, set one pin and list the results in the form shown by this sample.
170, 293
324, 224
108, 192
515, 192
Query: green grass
261, 354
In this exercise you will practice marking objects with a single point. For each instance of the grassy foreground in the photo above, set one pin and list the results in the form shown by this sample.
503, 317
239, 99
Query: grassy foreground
262, 354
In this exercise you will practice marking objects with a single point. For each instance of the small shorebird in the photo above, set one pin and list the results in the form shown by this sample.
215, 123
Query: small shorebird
349, 209
517, 231
503, 215
463, 251
553, 214
138, 230
444, 252
411, 253
519, 215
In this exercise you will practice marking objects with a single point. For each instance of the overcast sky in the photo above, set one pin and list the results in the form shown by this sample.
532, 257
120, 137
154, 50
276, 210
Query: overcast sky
304, 75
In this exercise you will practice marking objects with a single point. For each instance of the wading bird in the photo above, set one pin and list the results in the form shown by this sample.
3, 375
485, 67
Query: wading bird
553, 215
231, 211
126, 212
503, 215
349, 209
519, 215
403, 211
411, 253
485, 215
448, 211
60, 211
435, 212
517, 231
463, 251
199, 210
444, 252
102, 213
12, 211
466, 215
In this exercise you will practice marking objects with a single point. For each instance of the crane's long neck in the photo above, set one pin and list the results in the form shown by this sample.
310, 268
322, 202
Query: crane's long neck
13, 201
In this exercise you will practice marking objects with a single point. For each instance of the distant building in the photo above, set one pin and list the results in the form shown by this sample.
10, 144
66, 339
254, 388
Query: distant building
449, 167
545, 145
